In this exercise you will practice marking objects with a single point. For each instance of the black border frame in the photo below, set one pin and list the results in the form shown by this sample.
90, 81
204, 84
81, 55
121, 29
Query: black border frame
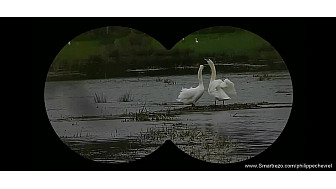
286, 35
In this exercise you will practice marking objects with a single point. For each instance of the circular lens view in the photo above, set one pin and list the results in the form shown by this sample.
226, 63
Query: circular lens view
115, 94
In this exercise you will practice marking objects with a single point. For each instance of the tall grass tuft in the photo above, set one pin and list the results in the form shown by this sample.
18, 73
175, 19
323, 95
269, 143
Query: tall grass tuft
99, 98
127, 97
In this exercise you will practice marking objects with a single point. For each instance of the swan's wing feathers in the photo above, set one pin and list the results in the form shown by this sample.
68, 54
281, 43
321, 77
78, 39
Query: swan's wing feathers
228, 87
187, 93
216, 90
214, 85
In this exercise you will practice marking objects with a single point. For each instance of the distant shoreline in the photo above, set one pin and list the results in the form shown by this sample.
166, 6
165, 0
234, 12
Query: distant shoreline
66, 75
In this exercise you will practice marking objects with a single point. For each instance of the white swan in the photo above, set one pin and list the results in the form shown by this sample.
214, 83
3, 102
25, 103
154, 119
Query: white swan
218, 88
191, 95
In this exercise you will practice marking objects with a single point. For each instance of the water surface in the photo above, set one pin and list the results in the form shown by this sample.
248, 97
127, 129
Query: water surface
96, 131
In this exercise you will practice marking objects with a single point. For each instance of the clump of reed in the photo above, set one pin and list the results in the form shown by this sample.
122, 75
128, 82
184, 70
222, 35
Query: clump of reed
127, 97
99, 98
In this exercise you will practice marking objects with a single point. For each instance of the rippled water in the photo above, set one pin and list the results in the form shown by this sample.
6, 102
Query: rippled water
96, 131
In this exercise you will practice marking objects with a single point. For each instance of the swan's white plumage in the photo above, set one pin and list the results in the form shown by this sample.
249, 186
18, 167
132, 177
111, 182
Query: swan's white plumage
191, 95
217, 91
221, 90
228, 87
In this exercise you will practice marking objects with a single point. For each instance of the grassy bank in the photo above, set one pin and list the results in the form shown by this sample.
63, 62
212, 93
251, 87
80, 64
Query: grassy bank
100, 54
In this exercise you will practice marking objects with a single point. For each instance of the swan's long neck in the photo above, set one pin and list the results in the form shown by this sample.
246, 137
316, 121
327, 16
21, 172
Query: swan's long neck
213, 70
200, 78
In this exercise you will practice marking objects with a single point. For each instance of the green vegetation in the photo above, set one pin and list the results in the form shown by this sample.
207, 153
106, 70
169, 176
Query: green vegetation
112, 51
239, 43
78, 50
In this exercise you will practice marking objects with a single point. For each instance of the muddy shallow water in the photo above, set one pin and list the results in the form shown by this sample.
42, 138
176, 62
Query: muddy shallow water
99, 132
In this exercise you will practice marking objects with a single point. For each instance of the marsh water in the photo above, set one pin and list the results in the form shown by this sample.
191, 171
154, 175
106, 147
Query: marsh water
102, 132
